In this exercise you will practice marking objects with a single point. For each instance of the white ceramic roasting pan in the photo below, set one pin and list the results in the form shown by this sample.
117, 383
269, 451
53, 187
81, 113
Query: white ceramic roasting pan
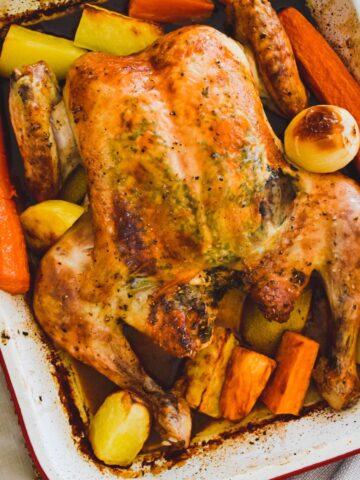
265, 452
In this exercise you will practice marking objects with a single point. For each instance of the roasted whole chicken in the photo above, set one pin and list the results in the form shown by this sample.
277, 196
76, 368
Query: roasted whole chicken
189, 192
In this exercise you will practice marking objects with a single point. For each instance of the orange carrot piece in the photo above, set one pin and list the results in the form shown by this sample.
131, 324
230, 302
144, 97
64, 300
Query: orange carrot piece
246, 378
171, 10
321, 68
287, 389
14, 271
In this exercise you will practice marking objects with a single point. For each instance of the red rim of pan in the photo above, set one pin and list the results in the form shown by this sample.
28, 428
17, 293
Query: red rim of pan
41, 471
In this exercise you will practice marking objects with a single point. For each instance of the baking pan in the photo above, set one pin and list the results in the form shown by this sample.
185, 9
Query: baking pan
49, 400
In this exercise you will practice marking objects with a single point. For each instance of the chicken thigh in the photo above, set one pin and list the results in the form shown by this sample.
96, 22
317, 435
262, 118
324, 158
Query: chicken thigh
187, 184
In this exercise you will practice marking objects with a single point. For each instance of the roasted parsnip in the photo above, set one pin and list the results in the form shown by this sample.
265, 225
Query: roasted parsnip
202, 382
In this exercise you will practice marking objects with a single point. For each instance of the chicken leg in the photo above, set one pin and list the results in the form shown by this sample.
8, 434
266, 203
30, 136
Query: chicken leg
89, 332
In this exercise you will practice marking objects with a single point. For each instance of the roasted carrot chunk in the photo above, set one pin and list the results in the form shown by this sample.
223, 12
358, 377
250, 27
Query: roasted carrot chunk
295, 358
14, 272
171, 10
246, 378
321, 68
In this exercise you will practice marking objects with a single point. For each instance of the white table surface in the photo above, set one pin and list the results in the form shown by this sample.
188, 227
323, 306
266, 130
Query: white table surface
15, 463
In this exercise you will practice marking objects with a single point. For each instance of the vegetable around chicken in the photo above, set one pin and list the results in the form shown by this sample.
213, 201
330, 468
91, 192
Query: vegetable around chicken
321, 68
231, 308
170, 11
256, 24
14, 270
119, 429
23, 46
322, 139
247, 375
45, 222
264, 335
202, 381
287, 389
106, 31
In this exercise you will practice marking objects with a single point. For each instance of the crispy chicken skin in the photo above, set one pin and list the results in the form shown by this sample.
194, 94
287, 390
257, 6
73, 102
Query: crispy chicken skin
256, 24
185, 180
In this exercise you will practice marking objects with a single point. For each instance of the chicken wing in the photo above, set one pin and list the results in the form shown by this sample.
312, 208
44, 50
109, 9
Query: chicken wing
320, 233
42, 130
256, 24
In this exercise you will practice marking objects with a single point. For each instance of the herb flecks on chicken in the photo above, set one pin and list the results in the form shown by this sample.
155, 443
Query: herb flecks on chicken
186, 180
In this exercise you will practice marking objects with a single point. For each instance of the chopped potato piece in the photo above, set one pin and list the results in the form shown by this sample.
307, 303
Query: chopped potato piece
74, 189
264, 335
24, 47
45, 222
106, 31
246, 378
119, 429
210, 402
230, 309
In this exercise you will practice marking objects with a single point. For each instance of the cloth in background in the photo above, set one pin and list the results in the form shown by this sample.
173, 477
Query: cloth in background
348, 469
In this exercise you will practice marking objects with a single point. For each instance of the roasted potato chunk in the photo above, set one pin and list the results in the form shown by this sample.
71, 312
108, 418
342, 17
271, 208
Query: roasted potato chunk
110, 32
23, 46
264, 335
199, 371
119, 429
45, 222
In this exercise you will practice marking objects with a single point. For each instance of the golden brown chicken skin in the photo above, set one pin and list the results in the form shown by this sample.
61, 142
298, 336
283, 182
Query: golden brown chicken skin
256, 24
34, 92
186, 180
42, 130
89, 332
